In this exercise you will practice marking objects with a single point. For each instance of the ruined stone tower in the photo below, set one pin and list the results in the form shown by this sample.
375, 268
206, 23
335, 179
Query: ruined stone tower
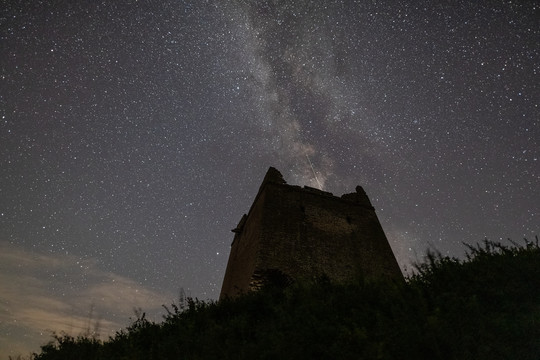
293, 233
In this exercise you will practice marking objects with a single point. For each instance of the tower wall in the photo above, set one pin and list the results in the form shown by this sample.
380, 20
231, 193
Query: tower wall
295, 233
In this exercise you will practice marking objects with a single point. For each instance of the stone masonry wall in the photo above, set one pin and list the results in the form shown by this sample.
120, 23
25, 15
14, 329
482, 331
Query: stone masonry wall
301, 233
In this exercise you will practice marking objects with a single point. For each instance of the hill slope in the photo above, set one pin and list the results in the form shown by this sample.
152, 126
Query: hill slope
487, 307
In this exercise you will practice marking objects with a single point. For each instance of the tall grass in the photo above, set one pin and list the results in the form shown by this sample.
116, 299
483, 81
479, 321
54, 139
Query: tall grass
486, 306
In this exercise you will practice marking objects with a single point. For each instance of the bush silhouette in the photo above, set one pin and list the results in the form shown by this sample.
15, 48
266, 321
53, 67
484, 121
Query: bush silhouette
485, 307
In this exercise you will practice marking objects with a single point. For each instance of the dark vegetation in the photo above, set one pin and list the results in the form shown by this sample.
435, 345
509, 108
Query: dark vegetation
485, 307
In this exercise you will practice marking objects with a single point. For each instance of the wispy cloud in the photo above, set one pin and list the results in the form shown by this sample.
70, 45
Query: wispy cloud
41, 293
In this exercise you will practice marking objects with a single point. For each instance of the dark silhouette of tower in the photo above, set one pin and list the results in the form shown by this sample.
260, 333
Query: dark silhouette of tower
294, 233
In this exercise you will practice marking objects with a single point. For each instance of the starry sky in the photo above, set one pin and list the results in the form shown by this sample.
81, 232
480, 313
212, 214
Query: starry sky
135, 134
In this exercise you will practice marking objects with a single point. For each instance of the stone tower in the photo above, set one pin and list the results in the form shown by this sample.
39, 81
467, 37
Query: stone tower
293, 233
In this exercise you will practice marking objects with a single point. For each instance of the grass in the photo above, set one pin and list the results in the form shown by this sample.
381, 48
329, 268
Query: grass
484, 307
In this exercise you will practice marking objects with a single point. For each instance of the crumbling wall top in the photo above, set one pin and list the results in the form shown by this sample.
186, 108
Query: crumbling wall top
274, 176
359, 197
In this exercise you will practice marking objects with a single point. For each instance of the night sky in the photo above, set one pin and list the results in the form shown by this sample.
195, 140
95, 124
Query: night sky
135, 134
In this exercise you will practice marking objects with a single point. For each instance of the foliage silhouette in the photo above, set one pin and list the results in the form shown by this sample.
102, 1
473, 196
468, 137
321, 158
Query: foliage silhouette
485, 307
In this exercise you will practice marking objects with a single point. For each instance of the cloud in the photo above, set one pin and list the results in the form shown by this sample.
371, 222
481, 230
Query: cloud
41, 293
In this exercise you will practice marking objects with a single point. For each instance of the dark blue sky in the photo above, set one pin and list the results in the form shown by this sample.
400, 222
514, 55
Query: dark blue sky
135, 134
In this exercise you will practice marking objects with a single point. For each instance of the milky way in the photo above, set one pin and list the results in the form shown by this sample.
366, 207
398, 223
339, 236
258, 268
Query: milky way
135, 134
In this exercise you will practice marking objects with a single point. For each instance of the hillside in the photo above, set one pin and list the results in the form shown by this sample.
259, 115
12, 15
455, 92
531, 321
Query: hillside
486, 307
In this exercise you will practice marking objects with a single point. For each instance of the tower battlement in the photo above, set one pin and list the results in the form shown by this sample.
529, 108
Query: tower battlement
293, 232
